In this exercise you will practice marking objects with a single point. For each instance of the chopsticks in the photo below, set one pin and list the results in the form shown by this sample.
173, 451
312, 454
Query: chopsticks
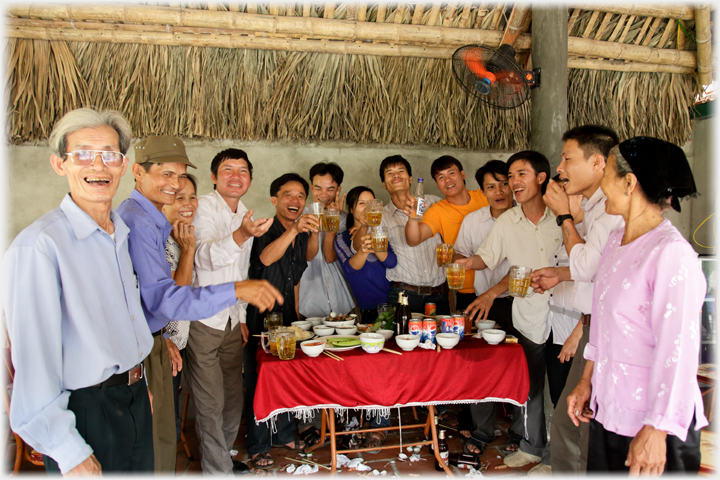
332, 355
309, 462
391, 351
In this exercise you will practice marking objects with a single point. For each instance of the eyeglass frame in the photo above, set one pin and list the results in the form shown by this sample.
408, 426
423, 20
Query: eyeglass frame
97, 152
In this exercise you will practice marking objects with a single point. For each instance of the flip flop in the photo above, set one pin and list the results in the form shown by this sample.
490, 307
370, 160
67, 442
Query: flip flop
263, 456
374, 439
476, 443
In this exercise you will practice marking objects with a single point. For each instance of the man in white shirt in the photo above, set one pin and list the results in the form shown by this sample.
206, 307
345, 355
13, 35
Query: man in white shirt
526, 235
323, 288
224, 229
583, 159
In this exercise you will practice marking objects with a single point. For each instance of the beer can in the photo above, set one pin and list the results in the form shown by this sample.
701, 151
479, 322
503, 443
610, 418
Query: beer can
430, 309
429, 330
415, 327
446, 323
459, 325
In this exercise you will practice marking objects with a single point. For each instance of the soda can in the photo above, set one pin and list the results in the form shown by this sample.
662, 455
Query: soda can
459, 325
429, 330
430, 309
415, 327
446, 323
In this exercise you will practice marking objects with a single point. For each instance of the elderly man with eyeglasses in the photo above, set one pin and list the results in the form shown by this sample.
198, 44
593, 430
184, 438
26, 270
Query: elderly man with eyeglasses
74, 316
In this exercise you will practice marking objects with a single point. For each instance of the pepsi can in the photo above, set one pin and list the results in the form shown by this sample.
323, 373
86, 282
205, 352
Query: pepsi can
429, 330
446, 323
459, 325
415, 327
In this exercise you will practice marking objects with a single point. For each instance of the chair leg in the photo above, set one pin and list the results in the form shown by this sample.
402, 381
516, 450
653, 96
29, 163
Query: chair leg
185, 445
19, 447
415, 413
185, 410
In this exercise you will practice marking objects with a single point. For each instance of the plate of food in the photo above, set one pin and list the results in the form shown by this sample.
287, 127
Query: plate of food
340, 320
341, 343
300, 334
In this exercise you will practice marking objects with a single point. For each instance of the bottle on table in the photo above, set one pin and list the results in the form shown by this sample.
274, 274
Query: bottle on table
402, 315
443, 450
420, 198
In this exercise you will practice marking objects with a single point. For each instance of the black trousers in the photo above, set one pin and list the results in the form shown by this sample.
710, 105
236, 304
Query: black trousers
608, 451
557, 372
117, 424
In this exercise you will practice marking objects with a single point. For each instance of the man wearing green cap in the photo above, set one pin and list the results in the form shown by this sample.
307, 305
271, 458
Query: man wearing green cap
159, 170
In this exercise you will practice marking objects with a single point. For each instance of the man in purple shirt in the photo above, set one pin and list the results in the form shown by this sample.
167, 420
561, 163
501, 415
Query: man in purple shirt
159, 170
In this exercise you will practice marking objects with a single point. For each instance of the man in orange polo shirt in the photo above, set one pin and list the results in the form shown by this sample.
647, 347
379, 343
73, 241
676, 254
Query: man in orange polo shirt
445, 217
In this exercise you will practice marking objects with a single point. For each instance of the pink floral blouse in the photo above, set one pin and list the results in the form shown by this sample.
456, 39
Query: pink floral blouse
645, 334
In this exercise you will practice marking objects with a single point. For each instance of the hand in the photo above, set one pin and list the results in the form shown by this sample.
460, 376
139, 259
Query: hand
569, 348
353, 230
249, 228
89, 466
175, 358
544, 279
576, 208
184, 235
578, 403
481, 305
260, 293
338, 202
467, 262
646, 455
245, 333
366, 246
410, 206
307, 223
556, 199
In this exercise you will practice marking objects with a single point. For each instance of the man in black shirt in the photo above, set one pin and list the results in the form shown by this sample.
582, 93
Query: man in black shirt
280, 256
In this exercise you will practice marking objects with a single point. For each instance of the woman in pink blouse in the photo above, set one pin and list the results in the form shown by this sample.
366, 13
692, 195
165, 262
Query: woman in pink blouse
639, 390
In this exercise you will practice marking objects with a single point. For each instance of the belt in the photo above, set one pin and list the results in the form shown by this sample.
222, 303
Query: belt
585, 319
125, 378
421, 289
159, 332
564, 311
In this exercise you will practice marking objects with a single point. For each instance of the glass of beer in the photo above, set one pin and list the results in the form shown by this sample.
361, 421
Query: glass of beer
379, 238
285, 343
331, 220
271, 345
373, 212
444, 253
520, 281
317, 209
455, 275
273, 320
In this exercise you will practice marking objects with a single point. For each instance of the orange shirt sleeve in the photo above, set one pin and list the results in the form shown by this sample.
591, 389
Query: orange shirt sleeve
432, 217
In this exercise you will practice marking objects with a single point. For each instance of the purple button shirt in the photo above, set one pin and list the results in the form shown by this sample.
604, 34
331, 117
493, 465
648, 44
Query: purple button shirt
645, 334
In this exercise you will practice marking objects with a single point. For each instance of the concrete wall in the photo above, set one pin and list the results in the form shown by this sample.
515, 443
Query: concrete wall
34, 188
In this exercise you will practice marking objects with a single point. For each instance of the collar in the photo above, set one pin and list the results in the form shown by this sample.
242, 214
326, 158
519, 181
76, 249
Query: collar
594, 200
83, 224
221, 204
484, 214
392, 209
517, 214
156, 215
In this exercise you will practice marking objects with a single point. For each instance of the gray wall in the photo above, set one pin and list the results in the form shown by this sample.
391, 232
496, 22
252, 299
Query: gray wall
34, 188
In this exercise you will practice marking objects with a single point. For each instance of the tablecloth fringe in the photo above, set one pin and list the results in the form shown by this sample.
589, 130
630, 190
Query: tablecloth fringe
306, 413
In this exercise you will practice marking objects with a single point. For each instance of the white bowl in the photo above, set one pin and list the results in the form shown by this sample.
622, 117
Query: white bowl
313, 348
315, 320
386, 333
484, 325
304, 324
323, 331
346, 330
372, 342
407, 341
493, 336
447, 340
417, 316
342, 323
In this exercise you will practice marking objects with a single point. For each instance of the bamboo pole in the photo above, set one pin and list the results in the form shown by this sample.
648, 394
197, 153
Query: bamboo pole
465, 17
629, 23
381, 11
497, 16
573, 19
639, 37
514, 26
121, 34
591, 24
704, 46
329, 10
669, 28
360, 31
362, 12
603, 26
306, 9
618, 28
481, 12
684, 12
399, 12
449, 13
651, 32
418, 13
434, 14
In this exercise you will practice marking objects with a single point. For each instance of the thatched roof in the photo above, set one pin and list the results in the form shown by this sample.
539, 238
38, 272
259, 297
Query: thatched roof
359, 72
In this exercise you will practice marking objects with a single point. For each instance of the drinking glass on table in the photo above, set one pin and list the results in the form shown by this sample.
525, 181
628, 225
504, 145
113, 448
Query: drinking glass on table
331, 220
379, 238
520, 281
317, 209
444, 253
271, 346
285, 343
373, 212
273, 320
455, 275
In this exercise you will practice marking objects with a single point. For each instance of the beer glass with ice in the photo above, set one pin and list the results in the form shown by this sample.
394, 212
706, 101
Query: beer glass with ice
455, 275
373, 212
520, 281
379, 238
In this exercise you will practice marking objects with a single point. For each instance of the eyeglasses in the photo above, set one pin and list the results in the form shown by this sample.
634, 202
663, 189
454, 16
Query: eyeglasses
87, 157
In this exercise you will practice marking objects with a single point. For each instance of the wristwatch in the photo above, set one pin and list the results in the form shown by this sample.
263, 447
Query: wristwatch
561, 218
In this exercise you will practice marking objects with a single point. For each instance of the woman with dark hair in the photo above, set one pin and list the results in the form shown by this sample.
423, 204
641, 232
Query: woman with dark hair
363, 267
639, 390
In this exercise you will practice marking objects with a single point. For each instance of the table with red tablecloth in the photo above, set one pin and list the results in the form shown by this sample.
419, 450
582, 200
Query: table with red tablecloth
473, 371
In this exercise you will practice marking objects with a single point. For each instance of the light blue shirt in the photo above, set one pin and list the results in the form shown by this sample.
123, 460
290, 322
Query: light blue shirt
162, 300
74, 318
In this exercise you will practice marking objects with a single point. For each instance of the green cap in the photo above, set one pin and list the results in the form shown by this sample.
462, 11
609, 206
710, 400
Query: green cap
161, 149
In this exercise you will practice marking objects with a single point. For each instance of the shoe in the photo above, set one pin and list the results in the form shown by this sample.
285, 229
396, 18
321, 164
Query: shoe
263, 457
239, 468
520, 459
540, 470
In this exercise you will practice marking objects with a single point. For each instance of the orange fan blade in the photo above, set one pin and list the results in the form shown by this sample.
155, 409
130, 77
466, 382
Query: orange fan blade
473, 61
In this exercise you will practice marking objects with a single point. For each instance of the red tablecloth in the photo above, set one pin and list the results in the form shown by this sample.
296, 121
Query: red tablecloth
470, 372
